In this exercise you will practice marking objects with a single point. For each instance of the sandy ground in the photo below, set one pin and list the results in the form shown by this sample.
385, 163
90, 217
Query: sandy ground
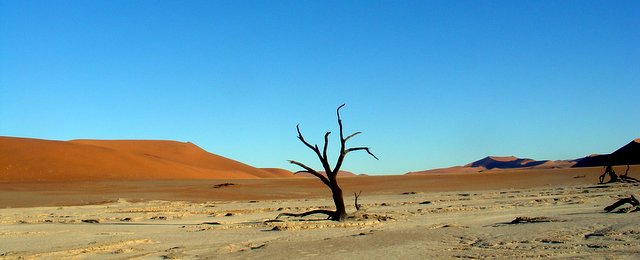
403, 217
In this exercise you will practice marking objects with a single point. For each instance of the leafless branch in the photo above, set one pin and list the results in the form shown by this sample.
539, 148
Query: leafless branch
362, 148
302, 139
325, 163
356, 200
352, 135
311, 171
326, 144
342, 140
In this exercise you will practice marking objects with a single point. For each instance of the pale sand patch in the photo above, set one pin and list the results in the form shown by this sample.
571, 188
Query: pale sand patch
413, 224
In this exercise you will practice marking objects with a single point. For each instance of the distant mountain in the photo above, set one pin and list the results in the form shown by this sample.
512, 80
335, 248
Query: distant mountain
504, 162
501, 162
626, 155
512, 162
27, 160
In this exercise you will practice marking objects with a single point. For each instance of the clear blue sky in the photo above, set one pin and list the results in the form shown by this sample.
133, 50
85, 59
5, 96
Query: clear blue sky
430, 83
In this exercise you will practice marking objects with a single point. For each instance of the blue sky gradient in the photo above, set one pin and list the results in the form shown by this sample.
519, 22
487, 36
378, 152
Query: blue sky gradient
430, 83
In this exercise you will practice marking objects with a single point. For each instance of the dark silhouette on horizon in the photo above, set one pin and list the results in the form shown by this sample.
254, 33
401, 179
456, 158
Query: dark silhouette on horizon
510, 162
626, 155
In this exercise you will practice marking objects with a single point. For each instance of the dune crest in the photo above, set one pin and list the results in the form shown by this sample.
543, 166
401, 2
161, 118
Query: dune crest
28, 160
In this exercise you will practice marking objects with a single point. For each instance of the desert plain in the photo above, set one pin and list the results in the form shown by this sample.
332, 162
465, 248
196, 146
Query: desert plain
506, 214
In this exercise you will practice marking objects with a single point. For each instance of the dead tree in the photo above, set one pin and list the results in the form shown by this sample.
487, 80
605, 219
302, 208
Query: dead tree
625, 177
615, 178
356, 195
330, 179
631, 200
608, 170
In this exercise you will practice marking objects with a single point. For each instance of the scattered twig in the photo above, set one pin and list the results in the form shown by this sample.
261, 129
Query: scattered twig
223, 185
524, 220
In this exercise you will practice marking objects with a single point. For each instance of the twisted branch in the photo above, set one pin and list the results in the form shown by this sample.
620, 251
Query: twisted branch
310, 171
362, 148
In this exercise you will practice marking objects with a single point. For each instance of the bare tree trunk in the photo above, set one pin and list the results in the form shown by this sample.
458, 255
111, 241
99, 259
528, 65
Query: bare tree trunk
341, 212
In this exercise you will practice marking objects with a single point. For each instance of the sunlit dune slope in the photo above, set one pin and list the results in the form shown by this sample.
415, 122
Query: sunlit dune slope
279, 172
24, 159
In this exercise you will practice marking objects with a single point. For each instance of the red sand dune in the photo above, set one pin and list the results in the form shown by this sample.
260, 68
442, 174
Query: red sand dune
26, 160
278, 171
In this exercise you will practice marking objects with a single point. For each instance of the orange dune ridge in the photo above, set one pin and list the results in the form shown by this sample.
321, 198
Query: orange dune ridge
28, 160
